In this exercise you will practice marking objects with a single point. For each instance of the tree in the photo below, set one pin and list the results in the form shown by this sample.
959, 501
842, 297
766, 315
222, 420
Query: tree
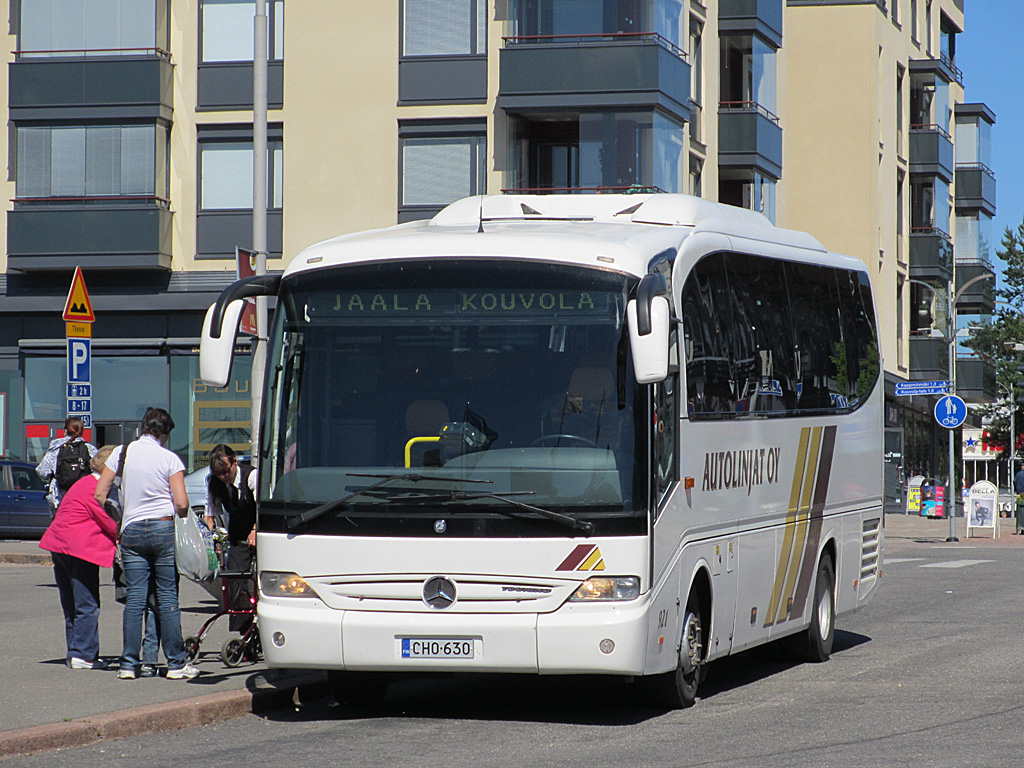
991, 339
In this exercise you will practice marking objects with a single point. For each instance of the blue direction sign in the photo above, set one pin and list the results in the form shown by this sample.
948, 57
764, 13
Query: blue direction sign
922, 387
950, 411
80, 379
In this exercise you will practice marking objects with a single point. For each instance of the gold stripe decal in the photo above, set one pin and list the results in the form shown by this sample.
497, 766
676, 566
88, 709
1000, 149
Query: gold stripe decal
801, 524
787, 541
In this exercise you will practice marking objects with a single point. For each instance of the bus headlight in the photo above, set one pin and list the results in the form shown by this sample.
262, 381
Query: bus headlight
608, 588
277, 584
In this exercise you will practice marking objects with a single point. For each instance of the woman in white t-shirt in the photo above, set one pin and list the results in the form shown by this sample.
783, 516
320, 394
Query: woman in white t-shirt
152, 493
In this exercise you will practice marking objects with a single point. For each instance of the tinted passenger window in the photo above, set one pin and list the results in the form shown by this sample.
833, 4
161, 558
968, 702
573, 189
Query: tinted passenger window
862, 363
767, 336
818, 332
763, 353
707, 315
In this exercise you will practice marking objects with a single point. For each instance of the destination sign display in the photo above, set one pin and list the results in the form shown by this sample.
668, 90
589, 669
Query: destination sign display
413, 304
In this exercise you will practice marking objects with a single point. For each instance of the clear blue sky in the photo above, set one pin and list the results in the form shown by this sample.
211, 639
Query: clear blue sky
990, 52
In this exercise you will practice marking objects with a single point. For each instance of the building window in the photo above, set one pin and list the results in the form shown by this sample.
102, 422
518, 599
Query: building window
928, 26
900, 74
752, 190
696, 176
947, 41
665, 18
974, 237
896, 11
914, 32
101, 27
748, 72
91, 161
929, 204
227, 30
696, 60
439, 164
601, 151
225, 173
444, 28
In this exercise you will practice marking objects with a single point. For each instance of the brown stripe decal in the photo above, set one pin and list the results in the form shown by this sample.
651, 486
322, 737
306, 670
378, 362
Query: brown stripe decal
576, 557
807, 569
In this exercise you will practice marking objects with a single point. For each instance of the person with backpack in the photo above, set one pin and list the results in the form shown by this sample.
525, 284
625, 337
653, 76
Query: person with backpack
66, 461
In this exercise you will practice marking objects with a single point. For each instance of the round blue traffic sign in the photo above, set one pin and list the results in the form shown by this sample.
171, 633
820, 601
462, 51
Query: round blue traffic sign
950, 411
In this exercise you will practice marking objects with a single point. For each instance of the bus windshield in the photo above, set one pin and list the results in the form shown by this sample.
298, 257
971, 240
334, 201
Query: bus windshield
468, 397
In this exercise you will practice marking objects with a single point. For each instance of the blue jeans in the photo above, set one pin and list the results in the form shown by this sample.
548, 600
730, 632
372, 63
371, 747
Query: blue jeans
151, 638
147, 550
78, 583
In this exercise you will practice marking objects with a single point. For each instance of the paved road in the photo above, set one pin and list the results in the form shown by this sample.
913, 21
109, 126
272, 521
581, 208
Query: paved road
928, 675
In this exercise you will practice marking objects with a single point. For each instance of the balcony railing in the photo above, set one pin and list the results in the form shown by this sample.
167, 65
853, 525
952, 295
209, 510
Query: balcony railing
930, 128
957, 73
156, 200
749, 106
634, 189
597, 37
159, 53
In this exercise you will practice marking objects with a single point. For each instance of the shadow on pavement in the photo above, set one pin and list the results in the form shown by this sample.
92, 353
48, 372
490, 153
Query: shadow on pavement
570, 700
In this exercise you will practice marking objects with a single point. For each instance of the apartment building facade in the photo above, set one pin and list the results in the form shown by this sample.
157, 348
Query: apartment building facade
130, 155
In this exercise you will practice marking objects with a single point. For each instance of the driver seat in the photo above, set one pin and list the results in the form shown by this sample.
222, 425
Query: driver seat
590, 407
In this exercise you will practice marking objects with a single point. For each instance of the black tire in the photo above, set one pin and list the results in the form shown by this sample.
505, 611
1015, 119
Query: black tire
678, 689
815, 643
191, 648
358, 688
232, 652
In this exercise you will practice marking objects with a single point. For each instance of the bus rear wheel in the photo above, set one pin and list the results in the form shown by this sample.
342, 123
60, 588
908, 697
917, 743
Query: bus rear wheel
678, 689
815, 643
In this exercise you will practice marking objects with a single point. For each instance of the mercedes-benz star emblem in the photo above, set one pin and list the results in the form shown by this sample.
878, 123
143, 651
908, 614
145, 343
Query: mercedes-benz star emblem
440, 526
438, 592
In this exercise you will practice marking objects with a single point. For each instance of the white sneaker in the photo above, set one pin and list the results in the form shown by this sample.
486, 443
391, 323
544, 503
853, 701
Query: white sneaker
187, 672
77, 663
126, 674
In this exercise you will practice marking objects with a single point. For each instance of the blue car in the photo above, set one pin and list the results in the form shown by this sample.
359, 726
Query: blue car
24, 511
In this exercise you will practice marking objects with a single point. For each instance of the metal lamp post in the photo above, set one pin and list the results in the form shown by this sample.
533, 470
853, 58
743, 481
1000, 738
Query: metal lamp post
1008, 388
950, 335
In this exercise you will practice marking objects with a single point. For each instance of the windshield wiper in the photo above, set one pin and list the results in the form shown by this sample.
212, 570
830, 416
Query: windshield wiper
312, 514
567, 520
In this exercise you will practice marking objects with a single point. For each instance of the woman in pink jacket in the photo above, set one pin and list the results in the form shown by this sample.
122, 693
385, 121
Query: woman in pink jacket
80, 539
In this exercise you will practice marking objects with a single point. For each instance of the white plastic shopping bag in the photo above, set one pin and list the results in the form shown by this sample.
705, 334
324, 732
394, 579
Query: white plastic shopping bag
194, 549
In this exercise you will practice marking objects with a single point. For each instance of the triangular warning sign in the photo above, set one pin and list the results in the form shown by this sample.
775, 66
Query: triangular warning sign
78, 308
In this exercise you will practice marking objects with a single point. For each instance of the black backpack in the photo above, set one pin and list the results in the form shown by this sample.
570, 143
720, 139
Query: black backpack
72, 463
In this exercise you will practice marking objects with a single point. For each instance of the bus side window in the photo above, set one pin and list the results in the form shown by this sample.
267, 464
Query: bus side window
665, 427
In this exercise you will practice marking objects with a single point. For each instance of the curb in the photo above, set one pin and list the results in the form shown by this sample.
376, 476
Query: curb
14, 558
155, 718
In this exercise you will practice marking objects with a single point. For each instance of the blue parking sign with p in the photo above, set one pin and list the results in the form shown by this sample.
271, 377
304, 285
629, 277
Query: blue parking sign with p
79, 361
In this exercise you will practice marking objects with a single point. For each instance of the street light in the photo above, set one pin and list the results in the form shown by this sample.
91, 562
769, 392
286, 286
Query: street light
952, 297
1013, 430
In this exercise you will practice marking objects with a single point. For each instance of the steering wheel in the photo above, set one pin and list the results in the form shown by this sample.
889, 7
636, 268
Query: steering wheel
557, 438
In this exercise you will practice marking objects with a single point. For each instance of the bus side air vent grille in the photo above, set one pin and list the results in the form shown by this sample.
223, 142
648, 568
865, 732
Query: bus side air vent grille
870, 543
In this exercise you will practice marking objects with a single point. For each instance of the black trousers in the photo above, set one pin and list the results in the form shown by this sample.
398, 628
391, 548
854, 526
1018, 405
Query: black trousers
240, 558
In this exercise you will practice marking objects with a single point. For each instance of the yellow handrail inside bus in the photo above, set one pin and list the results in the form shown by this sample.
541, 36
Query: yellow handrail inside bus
413, 441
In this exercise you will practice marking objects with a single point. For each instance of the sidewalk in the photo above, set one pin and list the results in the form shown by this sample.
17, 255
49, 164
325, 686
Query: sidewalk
47, 706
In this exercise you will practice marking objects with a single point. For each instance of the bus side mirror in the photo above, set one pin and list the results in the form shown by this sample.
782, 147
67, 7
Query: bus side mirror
217, 344
216, 352
650, 349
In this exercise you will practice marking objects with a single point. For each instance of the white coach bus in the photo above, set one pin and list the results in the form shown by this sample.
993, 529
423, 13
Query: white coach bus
622, 435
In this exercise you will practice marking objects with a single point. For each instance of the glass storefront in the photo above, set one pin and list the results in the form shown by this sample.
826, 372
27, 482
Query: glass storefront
123, 387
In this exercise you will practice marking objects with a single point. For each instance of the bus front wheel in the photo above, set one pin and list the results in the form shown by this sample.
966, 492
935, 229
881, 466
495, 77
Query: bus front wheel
678, 689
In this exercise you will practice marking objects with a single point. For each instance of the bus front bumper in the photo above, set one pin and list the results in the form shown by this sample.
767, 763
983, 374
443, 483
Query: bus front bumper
576, 639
